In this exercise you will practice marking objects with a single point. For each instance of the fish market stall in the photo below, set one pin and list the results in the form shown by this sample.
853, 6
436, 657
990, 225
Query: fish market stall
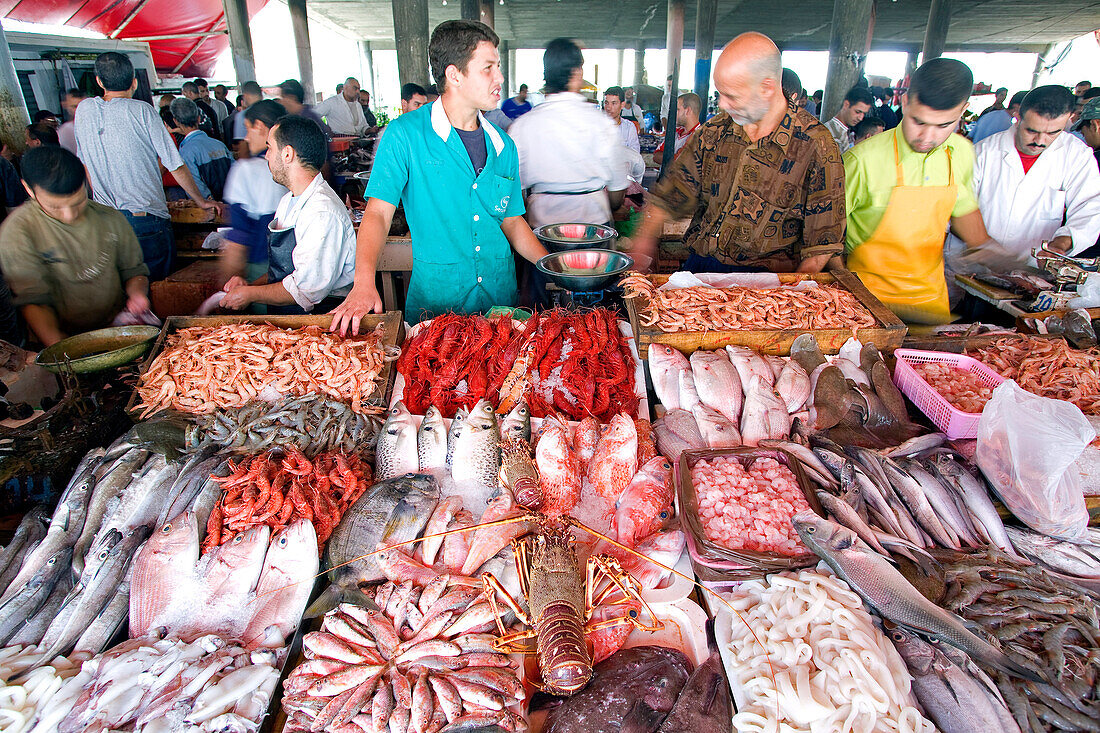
479, 528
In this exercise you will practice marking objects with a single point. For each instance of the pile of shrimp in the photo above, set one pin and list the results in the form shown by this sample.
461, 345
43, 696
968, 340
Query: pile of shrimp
745, 309
824, 665
282, 485
749, 509
202, 369
962, 388
1048, 368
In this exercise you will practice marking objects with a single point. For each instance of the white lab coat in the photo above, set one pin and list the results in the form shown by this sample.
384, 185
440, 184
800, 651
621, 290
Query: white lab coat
345, 118
1021, 211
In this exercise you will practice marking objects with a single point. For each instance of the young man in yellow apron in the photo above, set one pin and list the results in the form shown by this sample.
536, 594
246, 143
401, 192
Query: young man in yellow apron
904, 187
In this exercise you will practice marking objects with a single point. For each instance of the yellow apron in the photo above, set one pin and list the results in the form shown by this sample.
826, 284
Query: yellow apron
902, 261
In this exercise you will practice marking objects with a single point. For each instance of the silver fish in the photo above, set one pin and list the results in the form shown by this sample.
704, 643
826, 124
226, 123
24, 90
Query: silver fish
977, 502
90, 601
396, 451
25, 602
477, 450
919, 444
890, 594
208, 496
100, 632
60, 535
517, 423
103, 497
943, 502
915, 499
955, 701
32, 630
431, 440
846, 515
453, 433
27, 535
143, 500
391, 511
1079, 560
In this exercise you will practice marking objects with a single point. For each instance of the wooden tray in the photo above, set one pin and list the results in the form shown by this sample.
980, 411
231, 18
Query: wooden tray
393, 336
887, 335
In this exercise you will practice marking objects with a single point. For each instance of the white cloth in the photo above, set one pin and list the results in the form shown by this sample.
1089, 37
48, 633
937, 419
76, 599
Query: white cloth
629, 134
841, 134
568, 145
220, 110
324, 244
119, 142
632, 111
344, 117
1020, 211
250, 184
66, 135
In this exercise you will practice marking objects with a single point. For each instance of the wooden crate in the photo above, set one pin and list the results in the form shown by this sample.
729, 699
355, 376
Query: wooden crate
887, 335
393, 336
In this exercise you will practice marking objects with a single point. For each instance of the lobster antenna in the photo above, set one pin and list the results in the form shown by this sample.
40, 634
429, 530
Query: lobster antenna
632, 551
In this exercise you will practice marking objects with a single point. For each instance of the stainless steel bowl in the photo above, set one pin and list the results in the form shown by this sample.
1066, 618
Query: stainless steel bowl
584, 270
567, 236
95, 351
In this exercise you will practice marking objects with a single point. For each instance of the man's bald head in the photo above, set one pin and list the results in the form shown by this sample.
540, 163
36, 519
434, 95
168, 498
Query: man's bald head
752, 56
748, 77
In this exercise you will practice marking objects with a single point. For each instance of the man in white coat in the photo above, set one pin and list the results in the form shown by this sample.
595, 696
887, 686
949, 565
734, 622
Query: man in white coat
343, 113
1036, 182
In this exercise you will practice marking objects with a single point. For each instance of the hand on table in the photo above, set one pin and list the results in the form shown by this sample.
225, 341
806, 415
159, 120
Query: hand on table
361, 301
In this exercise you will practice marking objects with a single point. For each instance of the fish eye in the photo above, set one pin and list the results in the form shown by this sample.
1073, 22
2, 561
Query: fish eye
811, 530
633, 613
238, 539
166, 528
282, 542
103, 555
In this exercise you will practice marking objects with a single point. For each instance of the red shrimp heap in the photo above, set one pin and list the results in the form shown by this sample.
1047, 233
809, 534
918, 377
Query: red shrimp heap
749, 510
457, 360
277, 487
571, 363
963, 389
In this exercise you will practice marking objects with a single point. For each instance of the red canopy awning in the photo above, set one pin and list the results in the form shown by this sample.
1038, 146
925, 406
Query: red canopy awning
193, 55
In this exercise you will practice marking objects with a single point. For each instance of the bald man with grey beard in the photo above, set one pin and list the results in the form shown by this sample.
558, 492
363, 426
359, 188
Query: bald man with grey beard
762, 181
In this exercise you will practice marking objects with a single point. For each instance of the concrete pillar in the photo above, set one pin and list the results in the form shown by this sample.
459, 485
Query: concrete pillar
410, 32
639, 63
471, 9
621, 54
911, 64
674, 43
240, 40
1040, 61
506, 86
366, 65
705, 18
512, 68
487, 13
301, 41
935, 35
13, 107
847, 49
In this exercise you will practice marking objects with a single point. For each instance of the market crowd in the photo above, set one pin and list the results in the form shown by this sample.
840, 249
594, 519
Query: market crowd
902, 186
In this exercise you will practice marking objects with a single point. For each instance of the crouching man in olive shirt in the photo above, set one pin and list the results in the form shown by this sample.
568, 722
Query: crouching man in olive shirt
71, 264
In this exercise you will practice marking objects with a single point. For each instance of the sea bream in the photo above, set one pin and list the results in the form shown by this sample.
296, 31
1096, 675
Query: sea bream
164, 567
891, 595
390, 511
285, 585
396, 452
717, 383
665, 366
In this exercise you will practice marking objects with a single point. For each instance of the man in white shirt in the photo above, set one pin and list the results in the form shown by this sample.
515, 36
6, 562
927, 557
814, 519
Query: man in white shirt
1034, 176
311, 241
343, 113
66, 134
857, 103
613, 106
570, 163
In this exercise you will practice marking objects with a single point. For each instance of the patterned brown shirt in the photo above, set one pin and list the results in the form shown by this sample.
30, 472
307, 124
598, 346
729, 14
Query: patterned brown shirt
772, 203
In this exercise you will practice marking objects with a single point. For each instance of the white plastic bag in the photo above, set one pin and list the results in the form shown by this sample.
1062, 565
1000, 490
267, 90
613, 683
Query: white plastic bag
1088, 293
1026, 443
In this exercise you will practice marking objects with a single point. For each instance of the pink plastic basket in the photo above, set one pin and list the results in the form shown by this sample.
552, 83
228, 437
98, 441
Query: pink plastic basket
952, 421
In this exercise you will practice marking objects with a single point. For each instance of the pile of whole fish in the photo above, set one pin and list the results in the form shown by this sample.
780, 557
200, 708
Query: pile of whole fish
954, 692
167, 686
895, 599
646, 689
281, 486
251, 590
804, 655
906, 504
1041, 622
1079, 561
726, 398
313, 424
421, 662
70, 588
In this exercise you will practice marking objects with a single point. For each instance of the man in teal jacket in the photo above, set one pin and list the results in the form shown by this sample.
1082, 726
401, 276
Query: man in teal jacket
458, 177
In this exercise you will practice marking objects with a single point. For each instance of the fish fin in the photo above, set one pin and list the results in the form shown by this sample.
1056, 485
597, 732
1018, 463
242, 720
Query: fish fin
333, 596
